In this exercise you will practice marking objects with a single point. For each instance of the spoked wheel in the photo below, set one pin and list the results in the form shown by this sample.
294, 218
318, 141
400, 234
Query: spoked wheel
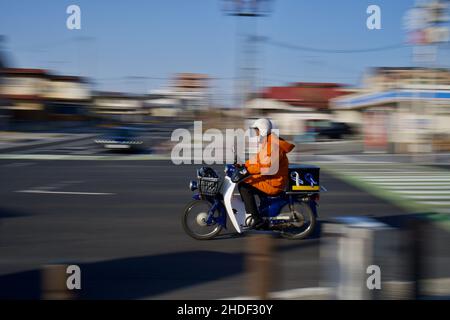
303, 221
195, 218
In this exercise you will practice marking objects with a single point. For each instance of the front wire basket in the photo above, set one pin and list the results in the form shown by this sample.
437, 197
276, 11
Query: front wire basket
208, 186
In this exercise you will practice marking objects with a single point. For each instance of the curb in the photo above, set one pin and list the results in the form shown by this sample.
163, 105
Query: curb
438, 288
313, 293
44, 144
146, 157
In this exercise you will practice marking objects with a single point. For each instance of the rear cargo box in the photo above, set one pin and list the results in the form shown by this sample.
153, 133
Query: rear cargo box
303, 178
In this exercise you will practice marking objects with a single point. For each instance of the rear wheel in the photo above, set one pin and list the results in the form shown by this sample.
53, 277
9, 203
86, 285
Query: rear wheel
303, 221
195, 218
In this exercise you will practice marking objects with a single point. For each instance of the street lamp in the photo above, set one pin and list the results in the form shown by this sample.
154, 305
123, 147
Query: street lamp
247, 8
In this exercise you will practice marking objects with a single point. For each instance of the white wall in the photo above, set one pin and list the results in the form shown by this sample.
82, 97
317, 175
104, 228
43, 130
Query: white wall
348, 116
293, 123
24, 86
68, 90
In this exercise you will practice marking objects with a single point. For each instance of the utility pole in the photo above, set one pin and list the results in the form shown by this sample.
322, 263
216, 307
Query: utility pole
3, 62
246, 13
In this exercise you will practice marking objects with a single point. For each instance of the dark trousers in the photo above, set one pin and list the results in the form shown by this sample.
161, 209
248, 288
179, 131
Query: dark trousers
248, 194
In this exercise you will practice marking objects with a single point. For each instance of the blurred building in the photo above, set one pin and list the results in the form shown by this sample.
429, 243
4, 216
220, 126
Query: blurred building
187, 93
4, 117
36, 94
192, 89
23, 91
67, 98
163, 103
294, 107
388, 78
401, 109
2, 62
118, 106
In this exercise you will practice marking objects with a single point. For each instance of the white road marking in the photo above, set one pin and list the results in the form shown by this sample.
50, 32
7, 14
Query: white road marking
388, 172
66, 192
412, 183
420, 187
426, 197
436, 192
435, 203
405, 179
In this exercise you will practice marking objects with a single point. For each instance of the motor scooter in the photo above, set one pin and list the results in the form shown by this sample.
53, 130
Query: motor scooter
292, 213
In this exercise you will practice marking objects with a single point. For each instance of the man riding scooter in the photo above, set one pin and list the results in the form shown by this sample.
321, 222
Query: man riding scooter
268, 169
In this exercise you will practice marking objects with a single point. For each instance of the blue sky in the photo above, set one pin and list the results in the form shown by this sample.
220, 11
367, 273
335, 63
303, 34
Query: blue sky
156, 38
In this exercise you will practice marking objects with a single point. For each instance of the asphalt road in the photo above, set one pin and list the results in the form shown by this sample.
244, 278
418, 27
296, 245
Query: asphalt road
152, 136
122, 226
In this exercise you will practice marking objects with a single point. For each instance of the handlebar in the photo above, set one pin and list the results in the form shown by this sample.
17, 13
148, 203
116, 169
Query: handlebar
239, 174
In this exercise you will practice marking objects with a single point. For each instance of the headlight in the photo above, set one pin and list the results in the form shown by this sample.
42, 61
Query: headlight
193, 185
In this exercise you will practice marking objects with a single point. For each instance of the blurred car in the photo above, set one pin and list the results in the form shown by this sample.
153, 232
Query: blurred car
335, 130
121, 138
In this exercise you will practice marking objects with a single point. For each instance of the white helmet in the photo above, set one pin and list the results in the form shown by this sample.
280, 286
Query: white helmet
263, 125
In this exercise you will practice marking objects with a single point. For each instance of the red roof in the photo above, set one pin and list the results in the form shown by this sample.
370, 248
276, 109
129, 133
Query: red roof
42, 73
21, 97
313, 95
28, 72
68, 78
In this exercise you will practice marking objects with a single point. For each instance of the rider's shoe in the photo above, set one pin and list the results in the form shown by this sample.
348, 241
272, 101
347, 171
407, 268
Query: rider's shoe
259, 224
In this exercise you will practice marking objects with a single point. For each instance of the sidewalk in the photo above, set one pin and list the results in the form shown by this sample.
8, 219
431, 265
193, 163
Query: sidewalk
373, 158
18, 141
432, 289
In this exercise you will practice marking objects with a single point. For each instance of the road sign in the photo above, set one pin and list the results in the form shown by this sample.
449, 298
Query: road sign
424, 23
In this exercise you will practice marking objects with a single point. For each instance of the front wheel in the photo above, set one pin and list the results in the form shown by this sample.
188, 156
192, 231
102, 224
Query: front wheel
303, 221
195, 220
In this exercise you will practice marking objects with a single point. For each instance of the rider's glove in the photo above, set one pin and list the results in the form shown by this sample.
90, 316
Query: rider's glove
239, 174
243, 171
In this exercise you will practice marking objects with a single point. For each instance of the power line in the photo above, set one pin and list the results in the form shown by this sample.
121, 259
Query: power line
319, 50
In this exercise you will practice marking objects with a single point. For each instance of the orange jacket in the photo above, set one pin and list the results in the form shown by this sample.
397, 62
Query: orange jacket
270, 180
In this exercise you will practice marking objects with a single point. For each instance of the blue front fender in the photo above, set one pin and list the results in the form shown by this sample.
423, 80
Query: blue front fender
196, 197
216, 205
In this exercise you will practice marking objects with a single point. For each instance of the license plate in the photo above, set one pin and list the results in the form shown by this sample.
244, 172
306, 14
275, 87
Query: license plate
117, 146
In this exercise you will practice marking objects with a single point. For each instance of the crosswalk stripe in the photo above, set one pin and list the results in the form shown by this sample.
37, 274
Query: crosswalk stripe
413, 179
423, 192
414, 184
397, 173
435, 203
427, 197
